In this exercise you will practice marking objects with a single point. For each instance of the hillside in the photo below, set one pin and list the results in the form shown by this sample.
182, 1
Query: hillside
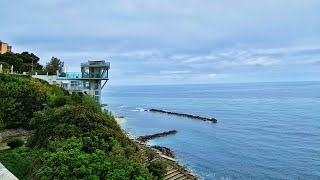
72, 138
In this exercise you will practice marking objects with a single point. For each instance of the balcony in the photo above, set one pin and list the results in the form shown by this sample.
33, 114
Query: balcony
75, 75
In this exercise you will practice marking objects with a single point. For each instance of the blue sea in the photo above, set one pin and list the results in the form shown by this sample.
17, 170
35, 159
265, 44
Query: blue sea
264, 130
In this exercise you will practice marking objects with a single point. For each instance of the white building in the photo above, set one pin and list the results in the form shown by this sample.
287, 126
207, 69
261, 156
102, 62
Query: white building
91, 79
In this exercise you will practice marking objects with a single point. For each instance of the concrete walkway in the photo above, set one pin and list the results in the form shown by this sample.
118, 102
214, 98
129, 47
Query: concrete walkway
5, 174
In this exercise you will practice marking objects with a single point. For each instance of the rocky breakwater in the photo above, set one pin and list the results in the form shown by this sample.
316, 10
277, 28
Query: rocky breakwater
157, 135
213, 120
175, 170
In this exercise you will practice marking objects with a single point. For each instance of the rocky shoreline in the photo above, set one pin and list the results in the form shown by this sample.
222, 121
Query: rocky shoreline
166, 154
164, 150
213, 120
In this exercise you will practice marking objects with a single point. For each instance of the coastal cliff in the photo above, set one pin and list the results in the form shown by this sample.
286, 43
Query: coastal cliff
68, 130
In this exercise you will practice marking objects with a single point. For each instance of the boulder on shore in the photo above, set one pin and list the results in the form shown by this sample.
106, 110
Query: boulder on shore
164, 150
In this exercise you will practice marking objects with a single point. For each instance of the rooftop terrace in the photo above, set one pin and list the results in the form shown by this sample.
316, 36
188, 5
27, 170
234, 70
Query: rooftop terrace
96, 64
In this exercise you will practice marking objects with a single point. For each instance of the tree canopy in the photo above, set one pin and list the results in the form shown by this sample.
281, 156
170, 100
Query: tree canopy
54, 65
22, 62
19, 98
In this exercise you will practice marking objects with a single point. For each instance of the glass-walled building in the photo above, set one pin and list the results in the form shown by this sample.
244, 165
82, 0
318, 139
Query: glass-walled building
91, 79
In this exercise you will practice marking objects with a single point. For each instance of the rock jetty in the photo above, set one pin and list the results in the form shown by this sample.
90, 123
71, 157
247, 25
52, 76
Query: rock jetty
148, 137
213, 120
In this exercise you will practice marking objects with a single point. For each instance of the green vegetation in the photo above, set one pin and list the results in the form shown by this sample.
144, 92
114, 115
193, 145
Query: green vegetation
72, 137
157, 169
54, 65
29, 62
22, 62
22, 161
70, 160
15, 143
19, 99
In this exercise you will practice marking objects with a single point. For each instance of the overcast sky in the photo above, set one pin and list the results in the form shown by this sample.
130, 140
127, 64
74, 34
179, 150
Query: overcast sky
172, 41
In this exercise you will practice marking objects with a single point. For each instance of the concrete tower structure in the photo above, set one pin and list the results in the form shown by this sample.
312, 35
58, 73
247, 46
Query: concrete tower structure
91, 79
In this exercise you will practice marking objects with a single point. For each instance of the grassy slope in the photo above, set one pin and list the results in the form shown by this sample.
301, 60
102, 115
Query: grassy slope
21, 161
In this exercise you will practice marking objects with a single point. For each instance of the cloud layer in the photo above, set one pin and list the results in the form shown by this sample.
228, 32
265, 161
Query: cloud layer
169, 42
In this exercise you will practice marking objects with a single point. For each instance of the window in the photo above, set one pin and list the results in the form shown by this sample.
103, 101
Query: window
86, 85
64, 85
75, 85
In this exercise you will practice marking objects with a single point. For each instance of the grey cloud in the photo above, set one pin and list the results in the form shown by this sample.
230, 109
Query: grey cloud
163, 41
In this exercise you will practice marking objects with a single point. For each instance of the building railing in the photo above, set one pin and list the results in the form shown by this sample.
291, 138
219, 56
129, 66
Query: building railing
96, 64
74, 75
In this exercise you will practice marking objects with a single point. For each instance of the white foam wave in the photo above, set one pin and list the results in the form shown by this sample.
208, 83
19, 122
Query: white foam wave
139, 109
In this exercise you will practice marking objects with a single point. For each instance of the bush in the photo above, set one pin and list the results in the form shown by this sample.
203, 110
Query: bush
15, 142
79, 121
58, 101
2, 126
5, 65
18, 100
77, 134
91, 103
151, 154
23, 161
69, 160
158, 169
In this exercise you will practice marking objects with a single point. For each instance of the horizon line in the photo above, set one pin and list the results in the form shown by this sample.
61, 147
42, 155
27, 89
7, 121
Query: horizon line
254, 82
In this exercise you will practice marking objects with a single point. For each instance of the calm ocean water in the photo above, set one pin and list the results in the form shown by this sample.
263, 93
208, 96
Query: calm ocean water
264, 130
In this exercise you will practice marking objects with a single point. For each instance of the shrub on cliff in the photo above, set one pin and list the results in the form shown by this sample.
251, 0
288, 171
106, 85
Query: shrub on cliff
58, 101
150, 154
22, 161
67, 121
18, 100
69, 160
91, 103
158, 169
78, 134
21, 96
15, 142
